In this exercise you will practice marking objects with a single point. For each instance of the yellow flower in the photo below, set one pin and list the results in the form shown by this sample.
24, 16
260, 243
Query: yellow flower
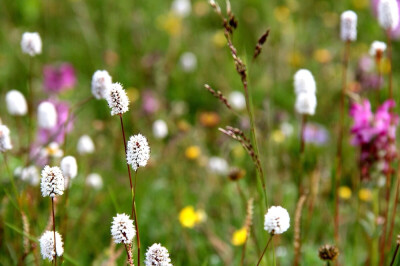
281, 13
344, 192
322, 56
192, 152
365, 194
188, 217
239, 237
277, 136
219, 39
171, 23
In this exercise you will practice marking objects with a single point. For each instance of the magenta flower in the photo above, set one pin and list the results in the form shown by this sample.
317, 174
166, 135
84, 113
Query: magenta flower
59, 78
57, 134
375, 134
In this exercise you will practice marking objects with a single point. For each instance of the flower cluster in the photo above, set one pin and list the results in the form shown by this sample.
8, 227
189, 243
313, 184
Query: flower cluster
375, 135
16, 103
305, 89
5, 140
52, 183
47, 245
59, 78
31, 43
277, 220
388, 14
157, 255
348, 26
122, 229
117, 99
137, 151
101, 83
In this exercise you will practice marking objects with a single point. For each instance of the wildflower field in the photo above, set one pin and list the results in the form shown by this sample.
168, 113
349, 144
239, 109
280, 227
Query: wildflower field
195, 132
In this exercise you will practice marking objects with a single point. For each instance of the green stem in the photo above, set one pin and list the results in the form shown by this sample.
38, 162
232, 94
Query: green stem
265, 249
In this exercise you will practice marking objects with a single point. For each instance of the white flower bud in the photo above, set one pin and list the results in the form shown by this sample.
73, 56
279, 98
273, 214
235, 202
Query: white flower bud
69, 167
348, 26
377, 47
47, 245
5, 140
47, 115
137, 151
117, 99
277, 220
16, 103
388, 14
101, 83
160, 129
304, 82
122, 229
52, 183
94, 180
85, 145
306, 103
157, 255
31, 43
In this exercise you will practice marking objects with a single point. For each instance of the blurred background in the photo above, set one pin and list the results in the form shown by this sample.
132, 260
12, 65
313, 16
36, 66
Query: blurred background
163, 52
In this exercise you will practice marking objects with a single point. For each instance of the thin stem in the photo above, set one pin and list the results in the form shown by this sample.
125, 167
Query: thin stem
128, 249
394, 255
265, 249
123, 137
396, 199
378, 66
135, 217
389, 55
30, 107
303, 126
340, 138
54, 230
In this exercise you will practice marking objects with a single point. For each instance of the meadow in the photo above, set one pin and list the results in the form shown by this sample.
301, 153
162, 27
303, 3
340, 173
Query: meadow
194, 118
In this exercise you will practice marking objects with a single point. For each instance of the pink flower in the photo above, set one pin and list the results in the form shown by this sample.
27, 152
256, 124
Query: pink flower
59, 78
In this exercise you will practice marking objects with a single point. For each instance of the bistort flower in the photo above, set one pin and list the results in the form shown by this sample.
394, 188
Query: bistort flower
85, 145
137, 151
304, 82
94, 180
306, 103
52, 183
117, 99
47, 245
160, 129
101, 83
5, 140
16, 103
31, 43
377, 48
47, 115
348, 26
157, 255
122, 229
69, 167
277, 220
388, 14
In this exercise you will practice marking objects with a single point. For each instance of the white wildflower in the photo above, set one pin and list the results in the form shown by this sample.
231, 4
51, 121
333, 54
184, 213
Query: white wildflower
16, 103
117, 99
69, 167
31, 43
388, 14
138, 151
348, 26
306, 103
47, 115
122, 229
377, 48
160, 129
157, 255
218, 165
47, 245
94, 180
5, 140
101, 83
85, 145
52, 183
181, 7
277, 220
304, 82
237, 100
188, 61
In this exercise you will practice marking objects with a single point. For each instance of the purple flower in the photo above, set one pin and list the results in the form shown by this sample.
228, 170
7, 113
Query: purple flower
375, 135
366, 74
395, 32
150, 102
57, 134
316, 134
59, 78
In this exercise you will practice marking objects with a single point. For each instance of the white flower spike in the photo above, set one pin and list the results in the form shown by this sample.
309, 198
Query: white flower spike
304, 82
137, 151
47, 115
122, 229
157, 255
69, 167
85, 145
117, 99
101, 83
31, 43
160, 129
277, 220
5, 140
388, 14
47, 245
306, 103
52, 183
377, 48
16, 103
348, 26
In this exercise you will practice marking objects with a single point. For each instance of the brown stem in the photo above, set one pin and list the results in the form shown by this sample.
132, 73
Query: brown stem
396, 199
297, 230
340, 139
123, 137
303, 126
265, 249
135, 217
54, 231
394, 255
128, 249
389, 55
378, 66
